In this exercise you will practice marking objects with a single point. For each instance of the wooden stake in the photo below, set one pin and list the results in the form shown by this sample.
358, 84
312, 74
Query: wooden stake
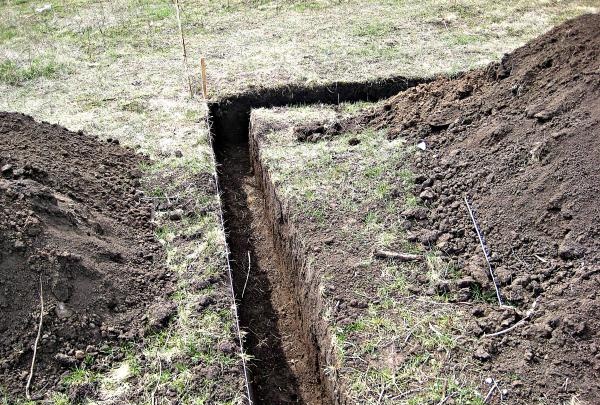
203, 65
185, 64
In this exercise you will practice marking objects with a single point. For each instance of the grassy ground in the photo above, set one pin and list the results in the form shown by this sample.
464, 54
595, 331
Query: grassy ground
401, 348
114, 69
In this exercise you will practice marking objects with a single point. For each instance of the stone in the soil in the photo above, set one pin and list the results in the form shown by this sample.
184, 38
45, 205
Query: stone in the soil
570, 249
481, 354
63, 311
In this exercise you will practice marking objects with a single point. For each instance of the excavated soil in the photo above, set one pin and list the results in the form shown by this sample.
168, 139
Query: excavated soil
72, 217
521, 140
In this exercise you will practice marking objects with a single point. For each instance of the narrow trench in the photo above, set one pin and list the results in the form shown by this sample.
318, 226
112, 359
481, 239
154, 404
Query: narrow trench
284, 370
285, 366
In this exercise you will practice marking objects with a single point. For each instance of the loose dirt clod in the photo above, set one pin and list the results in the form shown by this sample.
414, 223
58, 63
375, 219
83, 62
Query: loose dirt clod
69, 213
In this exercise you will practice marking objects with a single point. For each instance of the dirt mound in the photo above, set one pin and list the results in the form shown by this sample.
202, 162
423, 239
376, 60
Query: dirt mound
520, 139
71, 216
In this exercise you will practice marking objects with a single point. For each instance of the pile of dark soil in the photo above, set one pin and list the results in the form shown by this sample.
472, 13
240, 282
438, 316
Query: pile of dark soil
520, 139
71, 216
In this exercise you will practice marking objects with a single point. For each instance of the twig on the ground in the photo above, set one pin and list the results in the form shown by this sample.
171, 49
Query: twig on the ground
446, 398
381, 394
403, 257
37, 339
247, 276
153, 396
491, 391
525, 318
485, 253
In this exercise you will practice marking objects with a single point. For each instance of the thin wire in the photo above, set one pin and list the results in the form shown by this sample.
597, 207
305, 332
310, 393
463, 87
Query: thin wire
227, 255
485, 254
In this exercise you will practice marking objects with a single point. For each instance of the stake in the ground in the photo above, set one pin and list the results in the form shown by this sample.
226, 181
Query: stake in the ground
183, 48
203, 68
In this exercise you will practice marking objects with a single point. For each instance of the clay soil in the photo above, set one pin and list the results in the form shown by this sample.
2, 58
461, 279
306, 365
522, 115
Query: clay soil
521, 140
71, 216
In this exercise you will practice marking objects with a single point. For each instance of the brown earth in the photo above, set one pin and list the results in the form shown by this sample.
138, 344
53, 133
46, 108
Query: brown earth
72, 217
284, 369
521, 140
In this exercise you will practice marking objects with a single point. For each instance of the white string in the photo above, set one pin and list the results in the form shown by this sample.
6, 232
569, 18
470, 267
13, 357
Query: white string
485, 254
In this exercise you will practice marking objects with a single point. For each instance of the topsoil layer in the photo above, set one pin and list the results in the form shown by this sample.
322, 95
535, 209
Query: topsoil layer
521, 140
70, 217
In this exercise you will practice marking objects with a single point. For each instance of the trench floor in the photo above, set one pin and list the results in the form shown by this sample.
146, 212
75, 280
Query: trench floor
284, 367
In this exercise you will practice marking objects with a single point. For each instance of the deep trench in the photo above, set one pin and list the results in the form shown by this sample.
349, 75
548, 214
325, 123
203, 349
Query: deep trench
286, 363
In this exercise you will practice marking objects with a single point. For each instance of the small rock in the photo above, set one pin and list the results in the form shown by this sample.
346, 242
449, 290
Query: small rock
504, 275
569, 249
442, 287
415, 213
329, 240
160, 314
65, 360
466, 282
79, 354
478, 312
443, 241
427, 195
178, 153
227, 347
205, 301
477, 270
481, 354
529, 356
427, 237
63, 311
6, 170
176, 215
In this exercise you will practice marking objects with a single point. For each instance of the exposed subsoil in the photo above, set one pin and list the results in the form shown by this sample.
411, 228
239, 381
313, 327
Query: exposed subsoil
285, 369
70, 215
521, 139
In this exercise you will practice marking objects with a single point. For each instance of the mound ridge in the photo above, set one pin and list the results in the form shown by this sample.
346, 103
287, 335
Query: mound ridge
71, 216
521, 140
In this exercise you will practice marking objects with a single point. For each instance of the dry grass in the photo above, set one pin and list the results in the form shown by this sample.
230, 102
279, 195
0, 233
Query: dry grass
114, 69
256, 44
401, 350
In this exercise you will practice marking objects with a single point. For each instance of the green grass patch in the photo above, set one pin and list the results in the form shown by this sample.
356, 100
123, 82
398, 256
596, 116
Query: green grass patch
7, 33
14, 73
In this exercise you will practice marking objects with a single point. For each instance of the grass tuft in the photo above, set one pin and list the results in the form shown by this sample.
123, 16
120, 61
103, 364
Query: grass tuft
14, 74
